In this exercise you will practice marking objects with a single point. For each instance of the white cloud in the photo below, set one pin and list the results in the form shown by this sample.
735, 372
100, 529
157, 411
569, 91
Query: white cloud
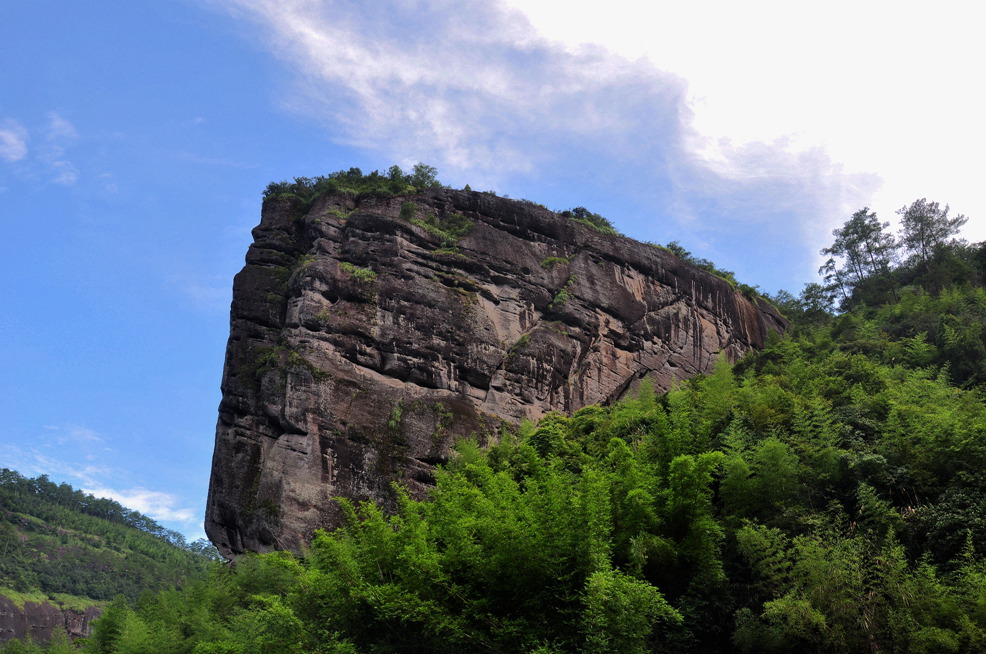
66, 173
72, 433
13, 140
780, 195
68, 434
681, 107
59, 129
59, 135
155, 504
885, 88
470, 85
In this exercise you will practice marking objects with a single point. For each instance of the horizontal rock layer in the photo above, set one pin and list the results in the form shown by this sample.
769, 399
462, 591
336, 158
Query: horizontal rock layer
368, 334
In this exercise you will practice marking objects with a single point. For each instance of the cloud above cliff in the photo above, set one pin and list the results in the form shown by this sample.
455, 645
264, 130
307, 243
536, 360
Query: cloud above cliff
476, 89
468, 84
887, 88
719, 114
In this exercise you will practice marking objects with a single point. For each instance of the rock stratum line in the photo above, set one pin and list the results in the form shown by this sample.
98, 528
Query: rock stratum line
368, 334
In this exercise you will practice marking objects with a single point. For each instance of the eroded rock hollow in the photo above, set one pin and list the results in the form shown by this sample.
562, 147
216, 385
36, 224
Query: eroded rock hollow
368, 334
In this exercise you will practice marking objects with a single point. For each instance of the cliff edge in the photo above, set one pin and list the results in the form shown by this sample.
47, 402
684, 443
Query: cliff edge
367, 334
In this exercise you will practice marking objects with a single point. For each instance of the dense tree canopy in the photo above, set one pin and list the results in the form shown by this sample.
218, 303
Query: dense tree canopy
355, 182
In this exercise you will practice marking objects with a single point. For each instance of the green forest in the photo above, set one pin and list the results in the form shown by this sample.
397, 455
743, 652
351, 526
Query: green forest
824, 494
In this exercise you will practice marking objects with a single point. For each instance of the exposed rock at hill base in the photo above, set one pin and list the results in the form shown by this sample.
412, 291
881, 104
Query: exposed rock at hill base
368, 334
40, 620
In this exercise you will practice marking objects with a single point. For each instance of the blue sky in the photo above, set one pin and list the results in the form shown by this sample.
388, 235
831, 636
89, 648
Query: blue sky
136, 139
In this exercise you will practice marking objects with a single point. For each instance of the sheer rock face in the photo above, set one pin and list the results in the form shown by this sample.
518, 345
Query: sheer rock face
339, 381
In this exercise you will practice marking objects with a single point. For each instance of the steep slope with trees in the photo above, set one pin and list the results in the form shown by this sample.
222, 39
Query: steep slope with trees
65, 553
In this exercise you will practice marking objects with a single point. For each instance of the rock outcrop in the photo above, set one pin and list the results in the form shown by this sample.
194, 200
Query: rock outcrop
368, 334
40, 620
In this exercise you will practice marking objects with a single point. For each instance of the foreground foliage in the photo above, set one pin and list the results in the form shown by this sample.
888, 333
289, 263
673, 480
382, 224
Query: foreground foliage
827, 494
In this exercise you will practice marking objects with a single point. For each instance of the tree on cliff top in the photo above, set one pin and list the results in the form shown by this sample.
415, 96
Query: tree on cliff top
925, 226
863, 245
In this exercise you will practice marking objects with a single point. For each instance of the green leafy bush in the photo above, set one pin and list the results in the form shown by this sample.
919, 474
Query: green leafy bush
407, 210
551, 262
450, 229
563, 294
362, 275
591, 220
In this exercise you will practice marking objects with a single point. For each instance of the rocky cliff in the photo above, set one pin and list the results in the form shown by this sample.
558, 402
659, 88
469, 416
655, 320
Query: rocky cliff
367, 334
40, 620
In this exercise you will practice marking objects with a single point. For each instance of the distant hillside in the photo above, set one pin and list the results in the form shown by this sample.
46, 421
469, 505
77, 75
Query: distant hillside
63, 553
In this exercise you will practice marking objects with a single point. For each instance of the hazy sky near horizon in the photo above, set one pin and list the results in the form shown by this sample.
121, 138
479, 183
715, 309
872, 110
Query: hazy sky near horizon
136, 139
